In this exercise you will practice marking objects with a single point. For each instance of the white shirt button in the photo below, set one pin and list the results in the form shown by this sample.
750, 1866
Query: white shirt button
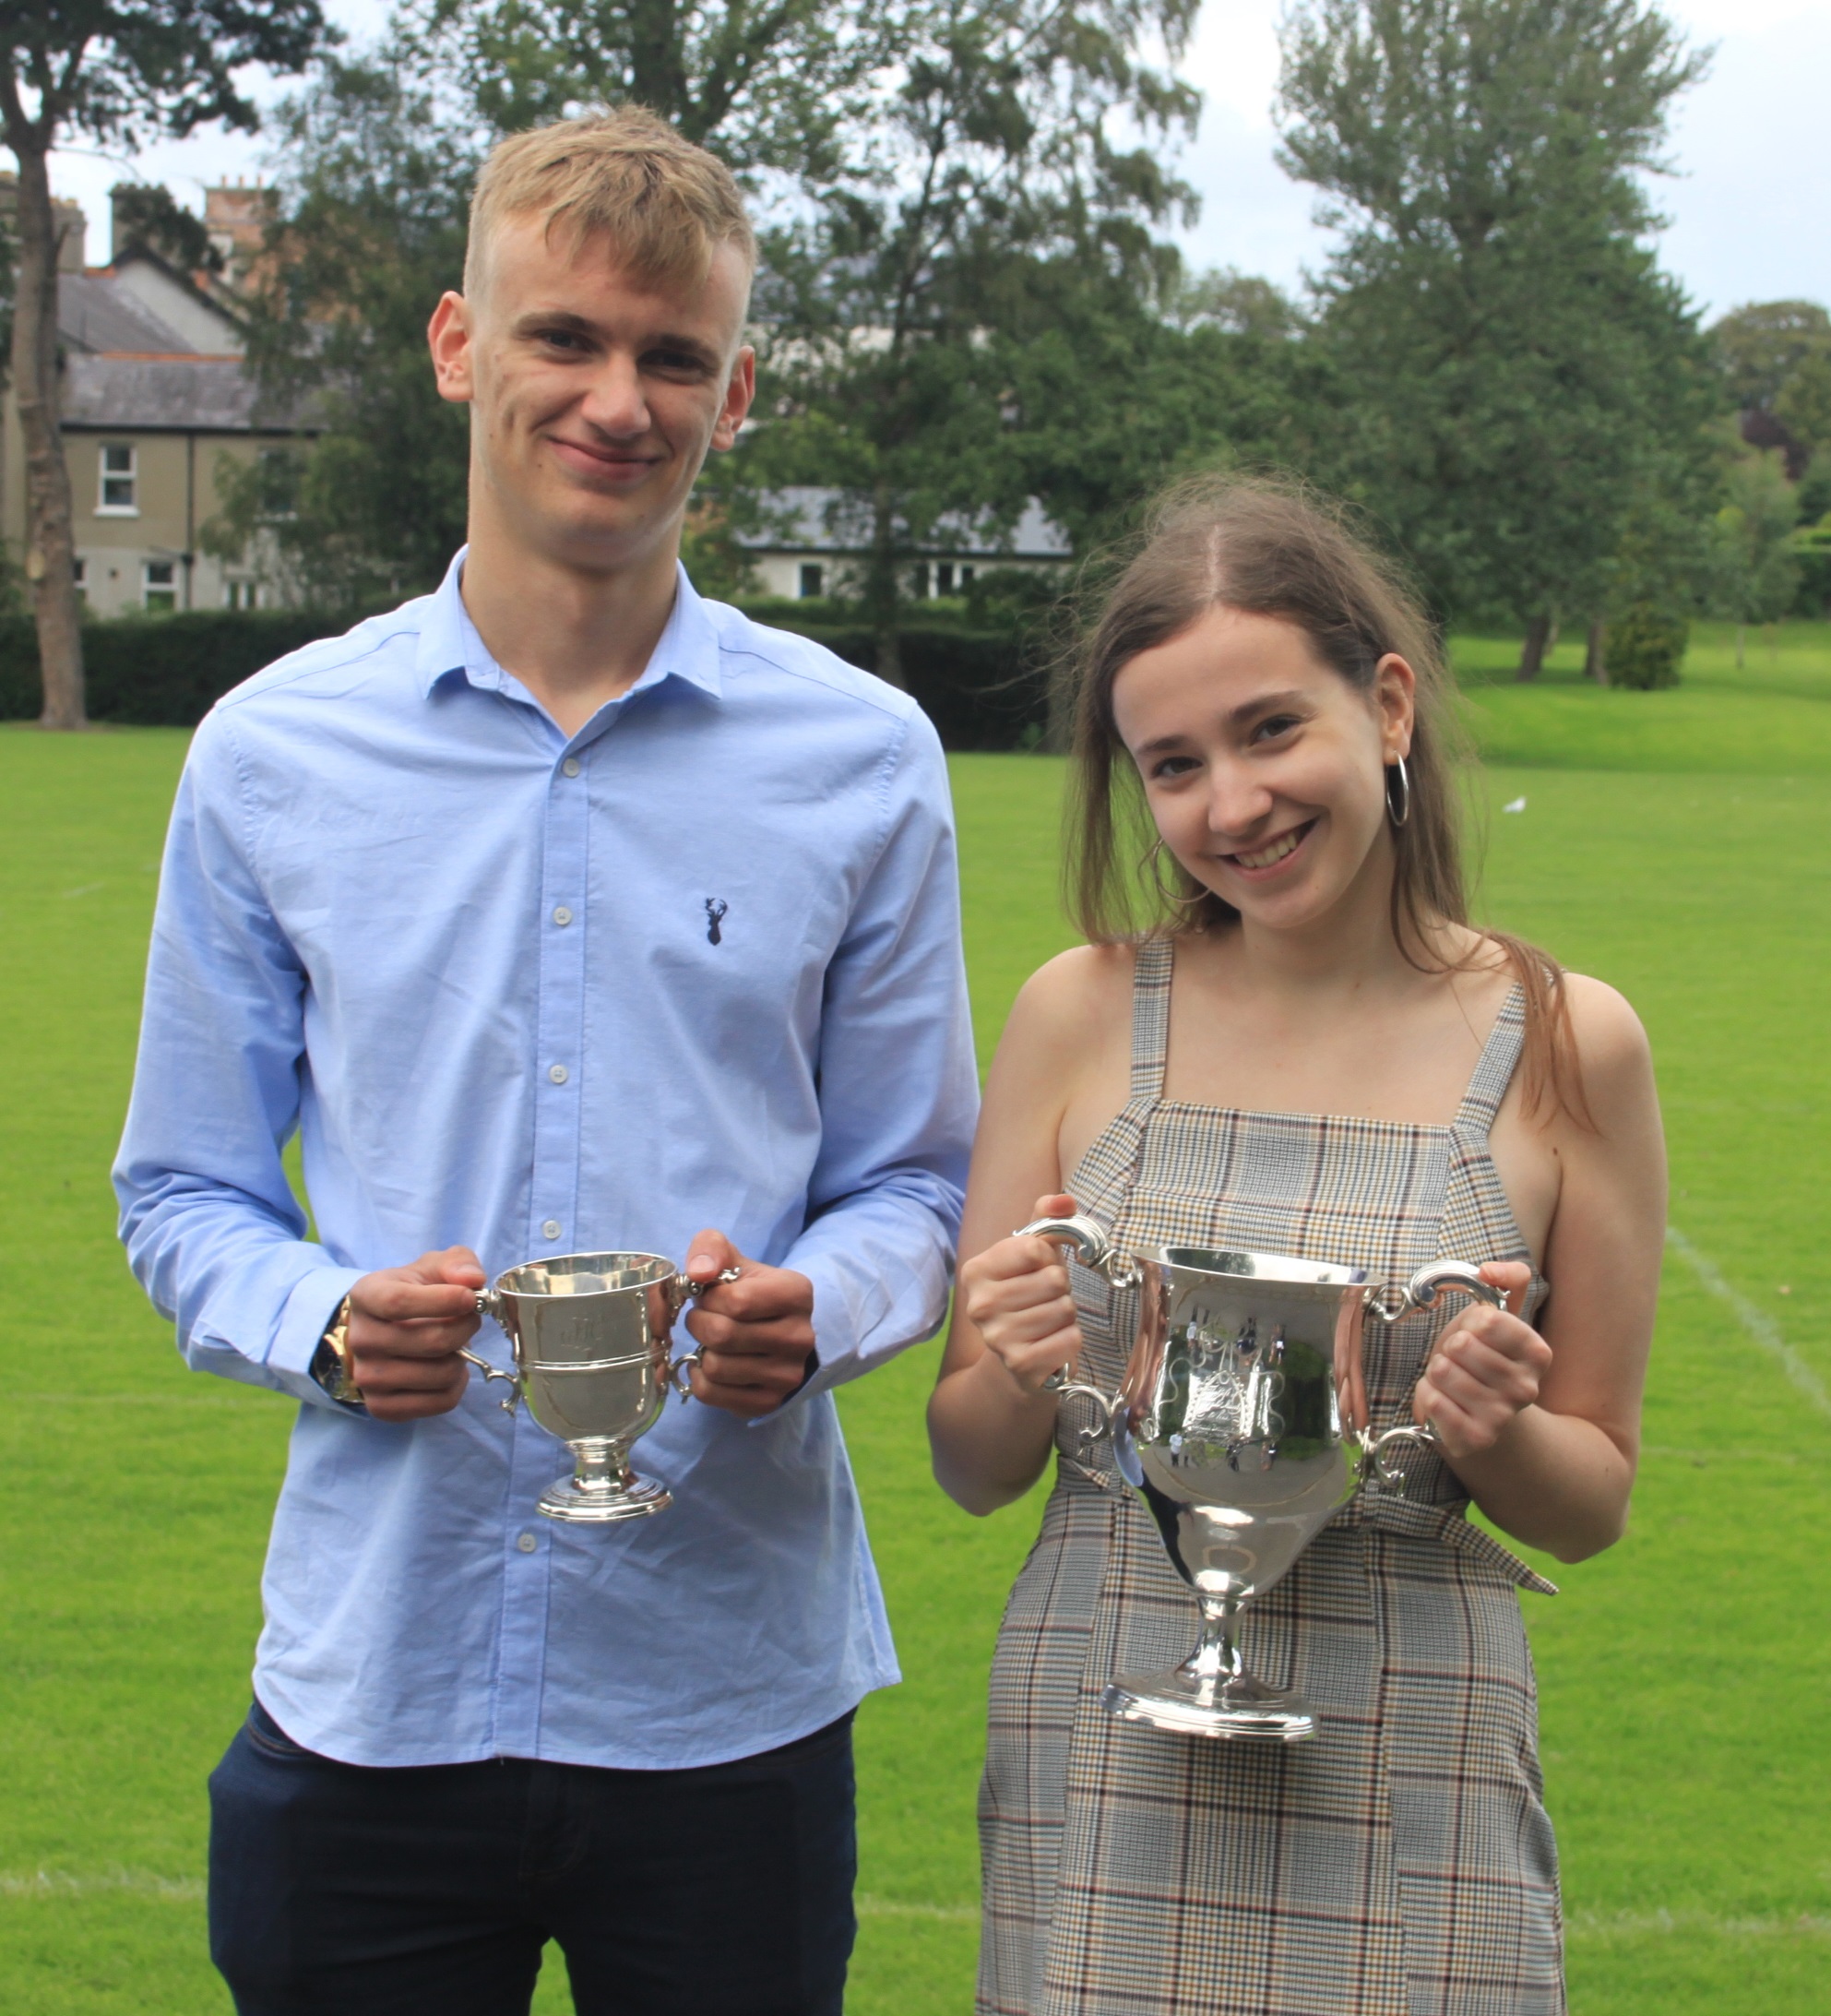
527, 1543
551, 1230
558, 1073
562, 916
570, 766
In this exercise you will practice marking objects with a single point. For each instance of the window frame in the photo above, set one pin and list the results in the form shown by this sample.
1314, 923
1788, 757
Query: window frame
130, 476
148, 588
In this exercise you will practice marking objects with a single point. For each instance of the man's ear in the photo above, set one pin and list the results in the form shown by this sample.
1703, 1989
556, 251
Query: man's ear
448, 338
1395, 697
739, 393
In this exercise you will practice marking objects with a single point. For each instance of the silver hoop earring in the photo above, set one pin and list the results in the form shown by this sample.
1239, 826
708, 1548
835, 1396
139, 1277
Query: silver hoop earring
1151, 868
1400, 811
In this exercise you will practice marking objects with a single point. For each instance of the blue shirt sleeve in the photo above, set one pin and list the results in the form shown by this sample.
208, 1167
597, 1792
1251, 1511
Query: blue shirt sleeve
899, 1091
212, 1229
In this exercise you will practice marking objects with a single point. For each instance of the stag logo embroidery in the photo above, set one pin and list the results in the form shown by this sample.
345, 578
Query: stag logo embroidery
716, 907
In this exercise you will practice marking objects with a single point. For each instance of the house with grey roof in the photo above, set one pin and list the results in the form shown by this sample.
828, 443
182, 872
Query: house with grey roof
156, 394
814, 542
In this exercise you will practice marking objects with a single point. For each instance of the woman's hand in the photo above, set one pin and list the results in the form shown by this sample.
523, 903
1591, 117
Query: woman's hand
1485, 1369
1016, 1295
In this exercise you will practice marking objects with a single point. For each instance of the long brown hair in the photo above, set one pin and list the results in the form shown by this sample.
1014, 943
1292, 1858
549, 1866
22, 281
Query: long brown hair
1271, 546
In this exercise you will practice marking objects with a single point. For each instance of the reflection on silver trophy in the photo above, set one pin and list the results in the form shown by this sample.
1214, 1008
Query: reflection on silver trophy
592, 1334
1242, 1423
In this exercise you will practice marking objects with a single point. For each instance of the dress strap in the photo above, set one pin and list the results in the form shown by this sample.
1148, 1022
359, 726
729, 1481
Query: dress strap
1495, 1067
1154, 965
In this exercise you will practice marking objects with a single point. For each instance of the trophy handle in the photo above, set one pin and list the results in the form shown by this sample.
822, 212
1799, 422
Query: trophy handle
488, 1305
1389, 1304
1093, 1249
681, 1291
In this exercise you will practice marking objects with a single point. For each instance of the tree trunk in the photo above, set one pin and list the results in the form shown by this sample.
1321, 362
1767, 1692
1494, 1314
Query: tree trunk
1532, 651
881, 595
1595, 665
50, 549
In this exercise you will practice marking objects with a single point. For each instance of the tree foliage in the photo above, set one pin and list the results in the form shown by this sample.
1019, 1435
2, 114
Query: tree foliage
375, 200
146, 213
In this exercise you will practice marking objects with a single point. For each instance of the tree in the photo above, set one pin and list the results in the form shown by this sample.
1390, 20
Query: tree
1508, 357
1754, 574
770, 87
1761, 346
989, 185
115, 71
375, 200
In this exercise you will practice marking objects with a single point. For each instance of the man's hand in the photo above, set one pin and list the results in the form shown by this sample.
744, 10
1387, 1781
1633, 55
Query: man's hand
407, 1326
756, 1334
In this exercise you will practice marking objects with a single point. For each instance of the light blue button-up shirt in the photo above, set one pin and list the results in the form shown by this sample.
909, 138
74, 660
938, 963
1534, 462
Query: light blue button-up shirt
698, 965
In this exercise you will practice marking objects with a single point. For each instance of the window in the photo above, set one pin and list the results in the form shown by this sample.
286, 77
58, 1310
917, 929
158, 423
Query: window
966, 577
813, 580
79, 571
944, 577
119, 494
921, 580
240, 594
159, 584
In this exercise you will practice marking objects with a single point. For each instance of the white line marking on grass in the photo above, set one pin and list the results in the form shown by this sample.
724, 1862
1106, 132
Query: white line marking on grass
174, 1889
1759, 1325
89, 888
1589, 1925
894, 1907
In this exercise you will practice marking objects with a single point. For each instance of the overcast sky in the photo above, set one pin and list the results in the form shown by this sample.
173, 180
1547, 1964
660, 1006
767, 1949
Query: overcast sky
1750, 205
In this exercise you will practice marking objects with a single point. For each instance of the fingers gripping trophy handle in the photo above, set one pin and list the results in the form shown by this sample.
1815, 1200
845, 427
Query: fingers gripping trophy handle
1421, 1293
1093, 1249
681, 1291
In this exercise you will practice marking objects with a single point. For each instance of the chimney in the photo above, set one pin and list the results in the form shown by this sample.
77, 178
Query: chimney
237, 218
72, 227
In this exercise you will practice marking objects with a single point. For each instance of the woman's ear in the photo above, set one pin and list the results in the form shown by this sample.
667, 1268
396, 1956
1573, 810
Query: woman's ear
1394, 700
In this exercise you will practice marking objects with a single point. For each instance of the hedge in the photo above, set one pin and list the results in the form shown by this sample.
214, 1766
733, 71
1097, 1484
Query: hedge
166, 670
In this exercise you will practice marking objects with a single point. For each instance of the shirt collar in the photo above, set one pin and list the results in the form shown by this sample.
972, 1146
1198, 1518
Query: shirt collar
450, 648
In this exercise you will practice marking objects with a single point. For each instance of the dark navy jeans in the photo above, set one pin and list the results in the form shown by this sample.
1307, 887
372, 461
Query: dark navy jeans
336, 1890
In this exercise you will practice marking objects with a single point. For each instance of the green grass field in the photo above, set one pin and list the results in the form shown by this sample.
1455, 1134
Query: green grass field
1678, 844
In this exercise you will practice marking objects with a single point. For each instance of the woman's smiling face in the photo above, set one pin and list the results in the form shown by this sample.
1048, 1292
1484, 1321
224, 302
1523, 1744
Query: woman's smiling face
1264, 769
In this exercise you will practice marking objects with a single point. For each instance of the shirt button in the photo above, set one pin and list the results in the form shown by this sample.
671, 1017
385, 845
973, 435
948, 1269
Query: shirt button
570, 766
527, 1543
562, 916
558, 1074
551, 1230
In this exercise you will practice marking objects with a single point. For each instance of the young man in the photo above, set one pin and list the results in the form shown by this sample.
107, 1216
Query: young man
559, 911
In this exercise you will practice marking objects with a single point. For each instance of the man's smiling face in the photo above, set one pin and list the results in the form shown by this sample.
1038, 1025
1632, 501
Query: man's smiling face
595, 391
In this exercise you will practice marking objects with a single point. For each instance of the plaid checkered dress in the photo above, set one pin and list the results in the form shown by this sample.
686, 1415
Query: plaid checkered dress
1400, 1865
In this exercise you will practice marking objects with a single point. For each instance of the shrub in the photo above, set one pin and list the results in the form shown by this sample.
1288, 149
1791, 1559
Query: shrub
1644, 649
160, 672
167, 670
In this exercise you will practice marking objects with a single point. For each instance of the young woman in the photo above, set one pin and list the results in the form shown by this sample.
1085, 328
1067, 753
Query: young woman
1308, 1049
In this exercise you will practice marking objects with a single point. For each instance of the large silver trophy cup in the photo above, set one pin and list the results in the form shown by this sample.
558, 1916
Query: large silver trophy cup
592, 1339
1241, 1422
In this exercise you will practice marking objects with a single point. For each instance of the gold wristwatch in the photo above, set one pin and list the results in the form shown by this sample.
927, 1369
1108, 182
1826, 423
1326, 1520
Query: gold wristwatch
330, 1361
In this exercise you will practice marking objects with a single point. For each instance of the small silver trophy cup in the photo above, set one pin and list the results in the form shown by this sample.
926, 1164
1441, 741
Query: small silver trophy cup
592, 1334
1242, 1423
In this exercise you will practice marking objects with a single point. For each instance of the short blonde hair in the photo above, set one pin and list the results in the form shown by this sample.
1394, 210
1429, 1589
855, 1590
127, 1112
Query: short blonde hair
666, 203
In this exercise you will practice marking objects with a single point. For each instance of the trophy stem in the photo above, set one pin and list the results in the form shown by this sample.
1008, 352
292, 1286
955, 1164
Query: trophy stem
1211, 1693
603, 1487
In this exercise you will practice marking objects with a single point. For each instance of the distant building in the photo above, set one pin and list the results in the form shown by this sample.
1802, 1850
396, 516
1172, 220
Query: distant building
817, 540
155, 392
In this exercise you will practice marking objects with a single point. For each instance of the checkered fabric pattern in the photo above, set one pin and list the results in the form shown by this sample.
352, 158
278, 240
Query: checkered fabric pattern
1400, 1865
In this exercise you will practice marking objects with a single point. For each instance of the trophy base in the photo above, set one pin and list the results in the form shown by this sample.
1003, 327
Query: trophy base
592, 1504
1237, 1709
